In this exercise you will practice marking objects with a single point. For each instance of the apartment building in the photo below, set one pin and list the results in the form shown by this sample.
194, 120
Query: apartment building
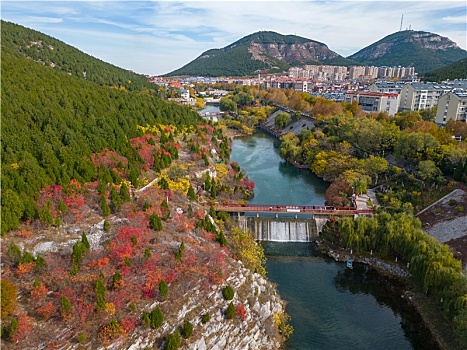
415, 97
386, 86
374, 102
452, 105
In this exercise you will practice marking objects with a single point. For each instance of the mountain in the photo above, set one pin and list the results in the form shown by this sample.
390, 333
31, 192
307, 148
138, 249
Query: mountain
457, 70
422, 50
261, 51
53, 120
54, 53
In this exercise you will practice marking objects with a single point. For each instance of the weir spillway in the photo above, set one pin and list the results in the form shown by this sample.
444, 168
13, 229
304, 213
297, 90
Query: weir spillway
281, 229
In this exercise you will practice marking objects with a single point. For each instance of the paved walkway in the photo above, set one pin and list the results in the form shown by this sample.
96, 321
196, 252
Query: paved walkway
363, 199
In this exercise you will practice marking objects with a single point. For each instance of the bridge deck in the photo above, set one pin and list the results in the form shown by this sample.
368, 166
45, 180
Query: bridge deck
291, 209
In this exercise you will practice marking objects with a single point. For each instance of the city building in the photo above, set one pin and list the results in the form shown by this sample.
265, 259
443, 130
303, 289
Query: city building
452, 105
386, 86
415, 97
374, 102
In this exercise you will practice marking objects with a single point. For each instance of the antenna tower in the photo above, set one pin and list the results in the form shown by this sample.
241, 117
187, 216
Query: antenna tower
402, 18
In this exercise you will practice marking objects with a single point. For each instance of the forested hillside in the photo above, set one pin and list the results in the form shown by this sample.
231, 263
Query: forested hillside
55, 53
52, 121
264, 50
457, 70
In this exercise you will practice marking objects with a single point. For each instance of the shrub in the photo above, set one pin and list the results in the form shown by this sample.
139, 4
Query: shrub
163, 290
27, 258
82, 339
117, 280
106, 226
146, 206
65, 306
8, 298
205, 318
241, 311
110, 332
156, 318
452, 202
220, 238
173, 341
187, 329
12, 329
230, 312
40, 262
228, 293
155, 222
147, 253
191, 193
79, 249
84, 240
460, 209
14, 253
99, 293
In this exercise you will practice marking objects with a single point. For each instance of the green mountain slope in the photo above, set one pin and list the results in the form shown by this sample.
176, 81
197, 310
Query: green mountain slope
422, 50
261, 51
54, 53
457, 70
52, 122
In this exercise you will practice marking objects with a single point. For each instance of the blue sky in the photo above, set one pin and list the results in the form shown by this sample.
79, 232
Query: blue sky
156, 37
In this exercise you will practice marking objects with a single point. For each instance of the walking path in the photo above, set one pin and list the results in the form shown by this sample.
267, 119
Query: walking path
362, 199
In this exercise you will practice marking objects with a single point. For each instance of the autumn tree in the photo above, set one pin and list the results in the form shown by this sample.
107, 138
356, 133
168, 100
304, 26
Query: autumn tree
8, 298
282, 120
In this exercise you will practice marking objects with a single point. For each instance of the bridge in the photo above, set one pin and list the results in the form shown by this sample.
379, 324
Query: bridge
288, 223
291, 209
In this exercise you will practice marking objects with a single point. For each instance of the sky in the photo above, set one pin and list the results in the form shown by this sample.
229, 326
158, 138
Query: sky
157, 37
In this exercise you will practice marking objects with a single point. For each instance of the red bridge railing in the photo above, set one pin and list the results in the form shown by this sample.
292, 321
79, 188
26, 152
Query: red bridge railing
294, 209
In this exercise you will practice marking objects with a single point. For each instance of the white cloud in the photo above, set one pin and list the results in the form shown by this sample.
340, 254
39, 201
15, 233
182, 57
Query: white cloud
156, 37
455, 19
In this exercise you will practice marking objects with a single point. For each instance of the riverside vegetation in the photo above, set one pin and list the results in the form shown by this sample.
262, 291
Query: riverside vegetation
347, 148
92, 253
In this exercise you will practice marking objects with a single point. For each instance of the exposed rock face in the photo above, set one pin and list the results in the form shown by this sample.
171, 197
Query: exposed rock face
390, 44
297, 52
256, 331
422, 50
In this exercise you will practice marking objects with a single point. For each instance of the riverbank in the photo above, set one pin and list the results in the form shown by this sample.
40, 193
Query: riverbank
433, 318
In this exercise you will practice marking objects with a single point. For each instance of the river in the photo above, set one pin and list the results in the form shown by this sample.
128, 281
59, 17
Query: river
331, 307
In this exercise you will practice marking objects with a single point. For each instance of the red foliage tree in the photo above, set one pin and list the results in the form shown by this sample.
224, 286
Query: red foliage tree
240, 311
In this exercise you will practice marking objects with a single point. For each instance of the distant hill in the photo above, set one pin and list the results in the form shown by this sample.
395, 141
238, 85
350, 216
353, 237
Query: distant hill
60, 56
261, 51
422, 50
457, 70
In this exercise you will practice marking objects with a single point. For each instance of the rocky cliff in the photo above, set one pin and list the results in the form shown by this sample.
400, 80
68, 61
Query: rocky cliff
425, 51
261, 51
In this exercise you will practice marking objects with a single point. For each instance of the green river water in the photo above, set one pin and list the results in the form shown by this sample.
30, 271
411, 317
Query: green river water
331, 306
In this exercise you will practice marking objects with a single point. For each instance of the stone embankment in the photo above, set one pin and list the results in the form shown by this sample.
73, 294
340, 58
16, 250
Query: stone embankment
257, 331
387, 268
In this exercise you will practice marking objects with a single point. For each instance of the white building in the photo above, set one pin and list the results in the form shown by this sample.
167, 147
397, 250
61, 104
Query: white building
374, 102
452, 105
415, 97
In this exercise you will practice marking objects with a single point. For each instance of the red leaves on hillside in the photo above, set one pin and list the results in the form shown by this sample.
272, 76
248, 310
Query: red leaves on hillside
109, 158
47, 310
240, 311
144, 149
25, 324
